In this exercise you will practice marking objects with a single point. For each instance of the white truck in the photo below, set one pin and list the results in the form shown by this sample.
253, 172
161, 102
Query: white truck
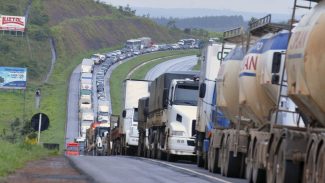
210, 65
86, 84
85, 103
127, 136
146, 42
103, 111
171, 116
87, 65
86, 75
86, 119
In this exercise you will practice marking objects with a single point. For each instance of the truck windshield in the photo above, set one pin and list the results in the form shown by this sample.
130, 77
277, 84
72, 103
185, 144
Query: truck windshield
103, 113
186, 94
135, 114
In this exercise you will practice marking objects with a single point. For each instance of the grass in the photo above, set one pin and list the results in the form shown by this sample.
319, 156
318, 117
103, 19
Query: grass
120, 73
197, 67
9, 153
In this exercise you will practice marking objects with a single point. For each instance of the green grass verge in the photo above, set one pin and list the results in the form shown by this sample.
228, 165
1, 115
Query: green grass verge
197, 67
13, 156
120, 73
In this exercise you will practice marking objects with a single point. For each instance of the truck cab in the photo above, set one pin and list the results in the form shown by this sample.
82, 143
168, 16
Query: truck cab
181, 116
130, 117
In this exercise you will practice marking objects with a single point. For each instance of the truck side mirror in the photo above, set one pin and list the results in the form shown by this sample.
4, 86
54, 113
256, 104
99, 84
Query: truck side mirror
124, 113
276, 63
202, 90
275, 79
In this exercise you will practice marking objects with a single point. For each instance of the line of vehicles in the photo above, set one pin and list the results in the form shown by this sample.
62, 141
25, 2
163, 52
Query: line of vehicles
94, 126
255, 110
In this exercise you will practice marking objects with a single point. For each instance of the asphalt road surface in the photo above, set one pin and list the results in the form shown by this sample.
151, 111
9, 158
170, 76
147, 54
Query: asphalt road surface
72, 125
178, 64
125, 169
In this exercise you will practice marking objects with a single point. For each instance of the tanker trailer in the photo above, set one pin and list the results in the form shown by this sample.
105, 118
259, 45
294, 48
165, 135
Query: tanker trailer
304, 148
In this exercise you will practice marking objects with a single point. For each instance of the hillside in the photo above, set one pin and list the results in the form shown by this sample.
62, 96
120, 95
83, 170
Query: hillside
78, 28
80, 25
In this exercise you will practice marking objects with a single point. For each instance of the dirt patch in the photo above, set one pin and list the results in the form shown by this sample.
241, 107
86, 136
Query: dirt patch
50, 170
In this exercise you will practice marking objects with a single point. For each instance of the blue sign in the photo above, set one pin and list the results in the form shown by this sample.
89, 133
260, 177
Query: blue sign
13, 78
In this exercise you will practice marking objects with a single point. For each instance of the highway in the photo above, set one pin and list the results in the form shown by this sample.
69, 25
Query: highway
117, 169
178, 64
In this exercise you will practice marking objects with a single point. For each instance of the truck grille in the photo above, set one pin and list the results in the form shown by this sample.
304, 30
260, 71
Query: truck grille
190, 142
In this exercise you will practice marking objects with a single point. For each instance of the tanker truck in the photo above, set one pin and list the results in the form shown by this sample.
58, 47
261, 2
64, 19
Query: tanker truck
171, 116
210, 64
269, 129
126, 137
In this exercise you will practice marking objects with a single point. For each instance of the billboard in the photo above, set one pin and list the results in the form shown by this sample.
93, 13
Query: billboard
13, 78
12, 23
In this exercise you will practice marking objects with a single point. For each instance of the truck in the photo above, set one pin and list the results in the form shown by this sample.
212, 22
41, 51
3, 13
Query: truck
143, 108
86, 119
274, 102
86, 84
86, 75
126, 137
85, 103
87, 65
213, 54
146, 42
171, 116
96, 136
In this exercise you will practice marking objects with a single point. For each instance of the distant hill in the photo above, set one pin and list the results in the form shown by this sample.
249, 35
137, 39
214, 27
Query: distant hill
211, 23
197, 12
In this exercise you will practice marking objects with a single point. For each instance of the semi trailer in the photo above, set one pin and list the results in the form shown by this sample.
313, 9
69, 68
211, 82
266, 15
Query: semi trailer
127, 136
169, 129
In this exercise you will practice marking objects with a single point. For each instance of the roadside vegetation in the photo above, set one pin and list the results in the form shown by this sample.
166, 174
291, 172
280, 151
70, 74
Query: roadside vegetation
121, 72
79, 28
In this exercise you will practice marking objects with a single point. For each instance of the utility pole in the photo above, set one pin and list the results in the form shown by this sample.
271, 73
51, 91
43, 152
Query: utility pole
38, 101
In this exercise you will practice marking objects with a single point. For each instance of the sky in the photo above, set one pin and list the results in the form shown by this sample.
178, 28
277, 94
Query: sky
273, 6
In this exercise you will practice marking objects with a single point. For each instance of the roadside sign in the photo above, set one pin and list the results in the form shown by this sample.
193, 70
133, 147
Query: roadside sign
13, 78
45, 122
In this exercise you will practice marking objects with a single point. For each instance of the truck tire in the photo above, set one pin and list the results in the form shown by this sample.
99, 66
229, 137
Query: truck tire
286, 171
320, 165
171, 157
199, 161
213, 160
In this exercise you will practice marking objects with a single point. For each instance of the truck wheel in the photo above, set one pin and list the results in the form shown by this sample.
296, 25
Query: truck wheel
310, 164
199, 160
233, 166
285, 170
171, 157
213, 161
205, 160
320, 166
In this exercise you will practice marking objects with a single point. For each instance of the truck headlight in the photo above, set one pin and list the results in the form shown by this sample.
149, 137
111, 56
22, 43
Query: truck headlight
177, 133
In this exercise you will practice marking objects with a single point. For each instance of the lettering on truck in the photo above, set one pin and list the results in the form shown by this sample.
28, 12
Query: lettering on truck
249, 65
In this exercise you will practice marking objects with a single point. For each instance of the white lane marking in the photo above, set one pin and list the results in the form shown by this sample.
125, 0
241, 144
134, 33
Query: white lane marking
189, 170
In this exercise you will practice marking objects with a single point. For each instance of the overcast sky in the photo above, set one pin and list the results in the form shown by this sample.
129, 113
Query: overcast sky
273, 6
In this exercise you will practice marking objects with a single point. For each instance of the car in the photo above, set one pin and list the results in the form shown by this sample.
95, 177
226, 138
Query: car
136, 52
98, 83
101, 95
